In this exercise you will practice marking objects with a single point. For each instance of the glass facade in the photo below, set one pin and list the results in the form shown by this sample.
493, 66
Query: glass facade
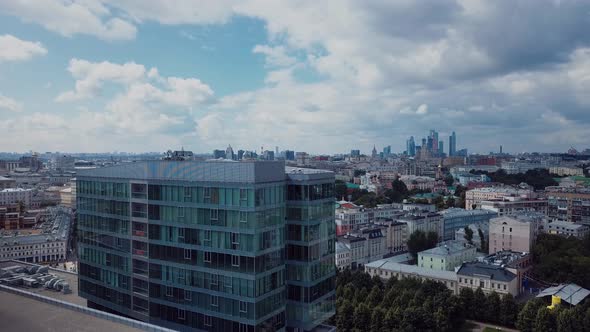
210, 255
310, 248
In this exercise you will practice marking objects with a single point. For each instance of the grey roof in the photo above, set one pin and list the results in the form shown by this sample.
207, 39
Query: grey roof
206, 171
570, 293
390, 264
458, 212
447, 248
57, 228
485, 270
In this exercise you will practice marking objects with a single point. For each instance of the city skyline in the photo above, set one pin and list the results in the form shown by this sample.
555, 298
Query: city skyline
104, 75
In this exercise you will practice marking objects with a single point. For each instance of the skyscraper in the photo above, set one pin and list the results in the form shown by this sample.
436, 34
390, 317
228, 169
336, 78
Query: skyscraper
452, 144
209, 245
434, 137
387, 151
411, 147
441, 149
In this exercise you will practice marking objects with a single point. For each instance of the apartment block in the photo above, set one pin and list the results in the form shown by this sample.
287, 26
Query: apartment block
213, 245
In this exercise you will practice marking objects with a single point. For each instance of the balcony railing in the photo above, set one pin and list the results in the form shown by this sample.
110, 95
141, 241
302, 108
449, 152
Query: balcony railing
139, 233
140, 252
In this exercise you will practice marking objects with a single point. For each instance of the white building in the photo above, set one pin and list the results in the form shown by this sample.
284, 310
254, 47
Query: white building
514, 233
12, 196
565, 228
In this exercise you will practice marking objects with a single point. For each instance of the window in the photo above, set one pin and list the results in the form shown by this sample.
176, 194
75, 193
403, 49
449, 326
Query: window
235, 260
187, 193
235, 240
214, 214
188, 295
187, 254
243, 194
482, 284
207, 320
181, 234
207, 235
243, 216
207, 257
214, 279
244, 328
180, 212
169, 291
243, 306
214, 301
207, 194
181, 314
504, 286
510, 229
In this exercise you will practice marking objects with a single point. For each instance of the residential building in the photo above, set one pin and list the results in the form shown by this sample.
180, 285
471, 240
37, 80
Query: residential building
490, 278
425, 222
6, 183
514, 233
512, 205
13, 196
456, 218
357, 250
569, 204
518, 263
474, 197
567, 229
396, 235
447, 255
47, 243
343, 256
466, 178
389, 268
215, 245
566, 171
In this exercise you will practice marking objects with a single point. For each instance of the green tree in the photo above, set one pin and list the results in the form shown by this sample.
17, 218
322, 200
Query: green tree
508, 310
466, 298
340, 190
392, 319
362, 316
377, 319
494, 308
468, 235
527, 316
484, 246
420, 241
479, 304
449, 180
345, 316
545, 320
375, 297
567, 321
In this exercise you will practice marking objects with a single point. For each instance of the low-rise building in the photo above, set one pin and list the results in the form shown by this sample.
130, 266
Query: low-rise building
456, 218
567, 229
343, 256
490, 278
425, 222
447, 255
569, 204
566, 171
47, 243
388, 268
512, 205
515, 233
7, 183
396, 235
13, 196
357, 248
474, 197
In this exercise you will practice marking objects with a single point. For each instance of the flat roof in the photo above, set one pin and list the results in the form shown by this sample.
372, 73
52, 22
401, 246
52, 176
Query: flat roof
70, 277
20, 313
486, 270
447, 248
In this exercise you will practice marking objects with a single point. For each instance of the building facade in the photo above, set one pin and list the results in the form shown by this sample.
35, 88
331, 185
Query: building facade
455, 218
514, 233
207, 245
569, 204
447, 255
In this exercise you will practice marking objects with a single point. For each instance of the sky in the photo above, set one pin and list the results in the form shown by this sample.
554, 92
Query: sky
317, 76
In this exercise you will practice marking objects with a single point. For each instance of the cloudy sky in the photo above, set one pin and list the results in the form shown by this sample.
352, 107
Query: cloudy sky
316, 76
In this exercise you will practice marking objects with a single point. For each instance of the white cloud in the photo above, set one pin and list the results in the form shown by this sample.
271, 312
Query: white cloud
275, 56
14, 49
10, 104
70, 18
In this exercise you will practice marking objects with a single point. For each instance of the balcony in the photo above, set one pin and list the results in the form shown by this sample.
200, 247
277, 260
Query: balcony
139, 233
139, 252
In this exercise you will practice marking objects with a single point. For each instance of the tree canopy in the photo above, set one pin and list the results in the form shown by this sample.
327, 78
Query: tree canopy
558, 259
420, 241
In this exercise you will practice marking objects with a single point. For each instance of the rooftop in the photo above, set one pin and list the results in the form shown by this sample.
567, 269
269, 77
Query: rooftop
13, 190
55, 228
390, 264
458, 212
505, 257
570, 293
485, 270
447, 248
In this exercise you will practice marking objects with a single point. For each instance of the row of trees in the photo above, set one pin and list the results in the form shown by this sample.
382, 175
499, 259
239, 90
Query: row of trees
370, 304
538, 178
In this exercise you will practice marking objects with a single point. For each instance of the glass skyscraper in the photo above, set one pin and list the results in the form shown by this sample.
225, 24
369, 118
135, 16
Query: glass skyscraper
215, 246
452, 144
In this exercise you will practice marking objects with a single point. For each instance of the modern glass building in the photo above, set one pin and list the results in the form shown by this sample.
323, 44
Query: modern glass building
203, 245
